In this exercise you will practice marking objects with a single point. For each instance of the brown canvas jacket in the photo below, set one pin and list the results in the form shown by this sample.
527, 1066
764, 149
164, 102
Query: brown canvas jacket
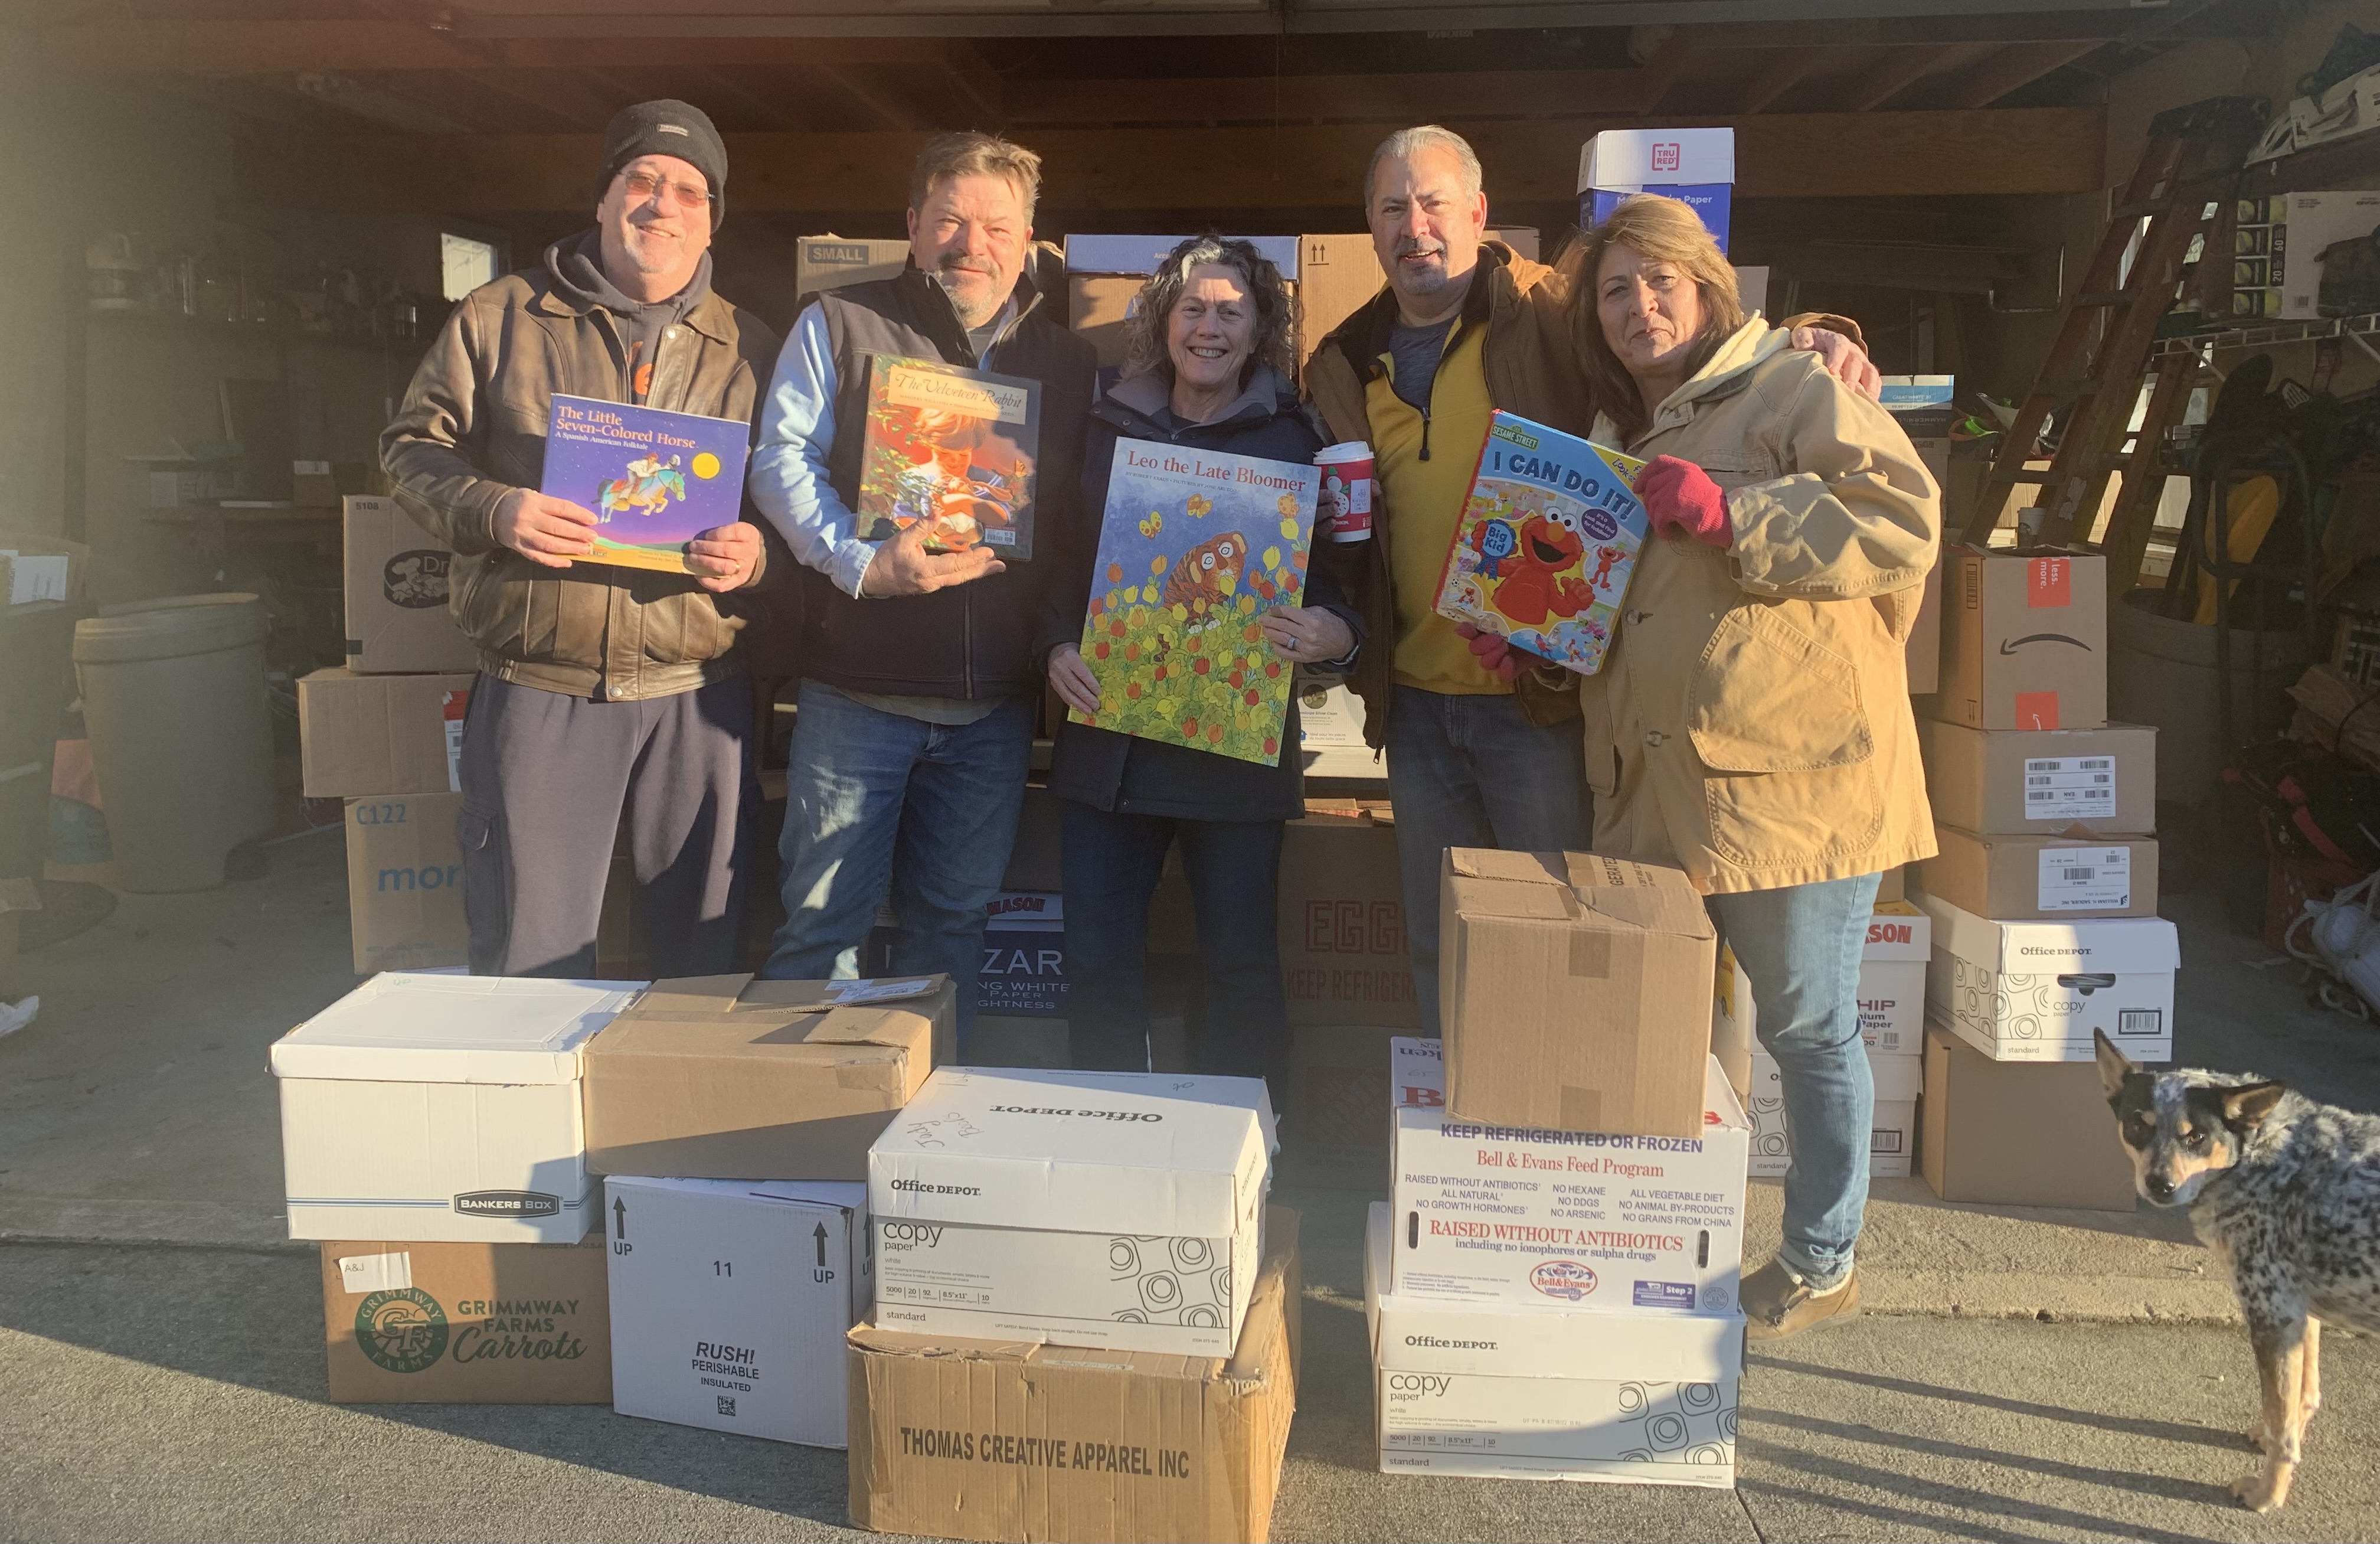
472, 429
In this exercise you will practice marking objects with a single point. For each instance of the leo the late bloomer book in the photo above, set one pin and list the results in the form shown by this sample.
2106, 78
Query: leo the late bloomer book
655, 480
953, 449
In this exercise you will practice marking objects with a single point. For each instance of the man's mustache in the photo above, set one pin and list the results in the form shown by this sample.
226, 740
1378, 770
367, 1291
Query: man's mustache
968, 266
1415, 247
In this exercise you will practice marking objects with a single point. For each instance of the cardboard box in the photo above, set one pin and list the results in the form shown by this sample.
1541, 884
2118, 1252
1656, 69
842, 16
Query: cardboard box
2329, 268
438, 1107
1337, 274
1893, 885
322, 484
1621, 1224
404, 883
2033, 992
730, 1301
1113, 1209
1892, 1140
1693, 165
2018, 878
1100, 307
1570, 986
2004, 781
43, 567
396, 595
830, 262
729, 1078
998, 1440
2009, 1134
1506, 1392
362, 735
1338, 1113
1024, 969
1343, 923
415, 1323
1923, 407
2025, 640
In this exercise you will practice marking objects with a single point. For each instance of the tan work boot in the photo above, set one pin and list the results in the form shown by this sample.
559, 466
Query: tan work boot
1777, 1304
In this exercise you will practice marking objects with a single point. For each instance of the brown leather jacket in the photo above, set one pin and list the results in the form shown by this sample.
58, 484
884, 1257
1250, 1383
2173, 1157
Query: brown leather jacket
472, 429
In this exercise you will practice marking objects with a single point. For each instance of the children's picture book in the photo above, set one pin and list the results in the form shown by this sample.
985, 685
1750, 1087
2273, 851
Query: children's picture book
953, 448
1547, 542
655, 480
1194, 546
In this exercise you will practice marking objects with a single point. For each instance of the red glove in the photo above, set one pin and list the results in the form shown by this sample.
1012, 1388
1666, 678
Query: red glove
1493, 651
1680, 495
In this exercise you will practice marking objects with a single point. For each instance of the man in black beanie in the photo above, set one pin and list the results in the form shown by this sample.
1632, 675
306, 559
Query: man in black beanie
601, 689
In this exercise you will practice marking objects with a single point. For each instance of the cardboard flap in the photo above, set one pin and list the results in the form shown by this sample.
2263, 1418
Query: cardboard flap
703, 996
1494, 863
1643, 895
1531, 886
902, 1028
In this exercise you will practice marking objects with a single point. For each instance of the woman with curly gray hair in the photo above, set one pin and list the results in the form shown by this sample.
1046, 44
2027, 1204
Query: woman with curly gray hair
1209, 367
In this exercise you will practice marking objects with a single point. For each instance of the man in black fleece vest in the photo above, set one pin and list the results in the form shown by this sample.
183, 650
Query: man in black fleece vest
919, 679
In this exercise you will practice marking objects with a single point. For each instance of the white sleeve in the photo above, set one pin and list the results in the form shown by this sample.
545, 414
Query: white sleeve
788, 481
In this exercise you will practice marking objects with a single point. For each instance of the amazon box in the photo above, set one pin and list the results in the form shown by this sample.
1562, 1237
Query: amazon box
2007, 781
404, 883
2021, 878
2018, 1134
729, 1078
362, 735
1343, 922
396, 596
2024, 638
999, 1440
414, 1323
1571, 989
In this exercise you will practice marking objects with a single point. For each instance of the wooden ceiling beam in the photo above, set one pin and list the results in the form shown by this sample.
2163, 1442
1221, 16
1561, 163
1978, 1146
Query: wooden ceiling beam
568, 95
1325, 98
2051, 150
1787, 68
759, 108
977, 86
1904, 67
2013, 68
888, 107
278, 47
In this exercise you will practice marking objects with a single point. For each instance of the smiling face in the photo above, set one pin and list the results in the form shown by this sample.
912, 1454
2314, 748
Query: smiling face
1212, 330
652, 245
970, 236
1552, 540
1425, 225
1651, 309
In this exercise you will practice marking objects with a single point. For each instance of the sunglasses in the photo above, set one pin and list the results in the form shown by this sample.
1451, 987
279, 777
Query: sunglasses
642, 186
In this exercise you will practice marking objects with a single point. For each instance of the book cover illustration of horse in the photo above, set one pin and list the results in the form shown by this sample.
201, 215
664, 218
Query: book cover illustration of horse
954, 448
655, 480
1547, 542
1195, 545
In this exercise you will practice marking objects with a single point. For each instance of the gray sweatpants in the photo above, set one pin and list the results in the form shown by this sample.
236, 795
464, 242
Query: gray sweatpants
545, 779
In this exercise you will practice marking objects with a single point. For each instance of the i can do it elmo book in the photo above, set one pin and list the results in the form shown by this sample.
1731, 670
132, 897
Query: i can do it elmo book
1547, 542
1195, 545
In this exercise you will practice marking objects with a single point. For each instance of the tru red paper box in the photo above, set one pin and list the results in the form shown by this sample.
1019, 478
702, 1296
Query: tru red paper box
2025, 640
2033, 992
1693, 165
1617, 1223
1512, 1391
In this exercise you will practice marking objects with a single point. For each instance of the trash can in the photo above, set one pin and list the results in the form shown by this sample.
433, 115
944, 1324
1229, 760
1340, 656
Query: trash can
2162, 672
174, 697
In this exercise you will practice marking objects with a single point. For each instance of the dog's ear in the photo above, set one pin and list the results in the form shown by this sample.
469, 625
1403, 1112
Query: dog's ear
2114, 1066
2244, 1108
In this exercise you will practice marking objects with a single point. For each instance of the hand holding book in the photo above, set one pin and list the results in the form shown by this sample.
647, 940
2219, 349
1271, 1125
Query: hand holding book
543, 529
903, 566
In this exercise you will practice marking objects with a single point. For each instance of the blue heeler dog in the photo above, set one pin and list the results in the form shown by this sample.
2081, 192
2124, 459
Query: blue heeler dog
2287, 1192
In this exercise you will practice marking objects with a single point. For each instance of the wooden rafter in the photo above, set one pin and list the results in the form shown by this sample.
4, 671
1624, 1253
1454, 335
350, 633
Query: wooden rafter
1904, 67
977, 86
1787, 68
1333, 97
2013, 68
888, 107
570, 95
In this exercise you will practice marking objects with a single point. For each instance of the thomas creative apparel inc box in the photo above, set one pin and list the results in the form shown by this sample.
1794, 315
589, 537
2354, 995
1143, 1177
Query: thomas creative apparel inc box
1115, 1210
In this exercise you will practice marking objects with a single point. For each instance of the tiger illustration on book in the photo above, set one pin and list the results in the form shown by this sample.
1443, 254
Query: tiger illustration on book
1208, 572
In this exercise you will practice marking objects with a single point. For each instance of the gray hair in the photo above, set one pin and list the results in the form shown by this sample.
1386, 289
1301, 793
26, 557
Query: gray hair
1406, 142
1276, 319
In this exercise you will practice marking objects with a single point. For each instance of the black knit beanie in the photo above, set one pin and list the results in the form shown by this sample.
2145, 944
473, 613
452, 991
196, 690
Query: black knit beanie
667, 127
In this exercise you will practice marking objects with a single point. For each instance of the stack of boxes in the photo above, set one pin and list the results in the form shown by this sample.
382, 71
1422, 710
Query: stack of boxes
1552, 1287
2044, 896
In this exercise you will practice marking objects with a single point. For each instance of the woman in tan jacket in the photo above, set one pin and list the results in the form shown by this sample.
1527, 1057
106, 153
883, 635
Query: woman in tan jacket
1753, 721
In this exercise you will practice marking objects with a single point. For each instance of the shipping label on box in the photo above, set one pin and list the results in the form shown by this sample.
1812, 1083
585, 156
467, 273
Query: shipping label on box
1113, 1209
1892, 1133
2025, 640
2004, 782
1024, 956
2017, 878
416, 1323
730, 1300
2033, 992
1343, 923
404, 883
442, 1107
1616, 1224
397, 577
363, 736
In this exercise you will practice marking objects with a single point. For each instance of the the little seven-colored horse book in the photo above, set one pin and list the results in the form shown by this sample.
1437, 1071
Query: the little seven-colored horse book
1195, 545
654, 480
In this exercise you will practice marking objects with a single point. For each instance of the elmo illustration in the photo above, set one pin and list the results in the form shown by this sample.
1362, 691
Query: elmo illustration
1542, 582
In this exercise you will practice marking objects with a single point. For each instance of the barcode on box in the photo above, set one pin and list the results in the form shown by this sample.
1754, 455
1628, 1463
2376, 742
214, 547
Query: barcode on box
1884, 1142
2140, 1021
2081, 873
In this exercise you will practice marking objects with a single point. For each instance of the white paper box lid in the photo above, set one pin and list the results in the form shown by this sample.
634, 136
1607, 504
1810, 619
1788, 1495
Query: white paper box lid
420, 1026
1077, 1153
1623, 160
1101, 253
1247, 1093
1417, 1079
2118, 944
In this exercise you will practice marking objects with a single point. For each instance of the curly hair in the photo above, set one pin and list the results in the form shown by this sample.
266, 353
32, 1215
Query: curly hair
1276, 307
1668, 231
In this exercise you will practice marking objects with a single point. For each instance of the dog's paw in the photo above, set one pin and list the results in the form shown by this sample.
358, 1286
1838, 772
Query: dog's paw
2261, 1492
2260, 1437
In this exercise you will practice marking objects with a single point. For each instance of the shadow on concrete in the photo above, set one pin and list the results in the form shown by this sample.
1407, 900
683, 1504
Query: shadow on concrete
2168, 1432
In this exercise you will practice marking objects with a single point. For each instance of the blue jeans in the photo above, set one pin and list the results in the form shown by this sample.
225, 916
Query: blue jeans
879, 803
1112, 864
1800, 946
1473, 771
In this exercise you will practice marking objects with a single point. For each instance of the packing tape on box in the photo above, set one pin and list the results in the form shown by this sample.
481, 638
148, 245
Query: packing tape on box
1590, 955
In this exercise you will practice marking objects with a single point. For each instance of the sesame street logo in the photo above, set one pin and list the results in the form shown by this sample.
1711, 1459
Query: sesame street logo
404, 1330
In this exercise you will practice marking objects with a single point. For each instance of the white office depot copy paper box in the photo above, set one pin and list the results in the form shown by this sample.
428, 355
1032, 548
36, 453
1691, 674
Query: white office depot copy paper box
1114, 1210
1616, 1224
2033, 992
430, 1106
1892, 1135
1512, 1391
730, 1299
